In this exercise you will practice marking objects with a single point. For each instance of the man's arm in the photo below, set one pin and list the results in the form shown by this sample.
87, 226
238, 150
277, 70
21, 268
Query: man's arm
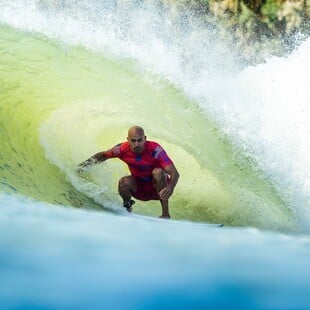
166, 192
96, 158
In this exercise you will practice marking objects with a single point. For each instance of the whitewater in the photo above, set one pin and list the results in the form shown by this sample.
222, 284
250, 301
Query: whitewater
73, 77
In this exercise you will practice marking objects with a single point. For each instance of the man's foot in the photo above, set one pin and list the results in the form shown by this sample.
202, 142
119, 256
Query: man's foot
128, 205
165, 217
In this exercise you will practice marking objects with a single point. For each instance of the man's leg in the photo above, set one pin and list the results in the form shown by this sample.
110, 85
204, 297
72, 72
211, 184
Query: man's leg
126, 186
160, 178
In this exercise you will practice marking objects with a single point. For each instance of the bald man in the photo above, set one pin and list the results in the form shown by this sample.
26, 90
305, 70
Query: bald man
153, 174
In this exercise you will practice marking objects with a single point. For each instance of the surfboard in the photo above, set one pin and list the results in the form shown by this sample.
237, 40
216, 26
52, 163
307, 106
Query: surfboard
158, 219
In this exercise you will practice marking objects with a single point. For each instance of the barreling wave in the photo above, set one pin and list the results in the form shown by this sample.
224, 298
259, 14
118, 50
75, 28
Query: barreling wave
71, 85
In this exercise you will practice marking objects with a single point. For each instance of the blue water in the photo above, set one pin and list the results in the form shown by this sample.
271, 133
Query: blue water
52, 257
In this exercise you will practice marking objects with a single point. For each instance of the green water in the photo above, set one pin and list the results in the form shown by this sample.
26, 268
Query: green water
61, 104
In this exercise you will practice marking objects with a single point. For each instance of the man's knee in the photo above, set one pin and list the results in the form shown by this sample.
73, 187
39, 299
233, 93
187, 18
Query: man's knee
126, 183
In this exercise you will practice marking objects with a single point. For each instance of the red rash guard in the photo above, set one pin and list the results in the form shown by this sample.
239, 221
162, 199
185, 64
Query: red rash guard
141, 165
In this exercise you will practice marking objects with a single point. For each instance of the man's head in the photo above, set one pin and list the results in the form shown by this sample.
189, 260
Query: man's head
136, 139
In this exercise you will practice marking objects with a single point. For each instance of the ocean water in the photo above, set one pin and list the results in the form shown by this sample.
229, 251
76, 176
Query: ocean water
73, 77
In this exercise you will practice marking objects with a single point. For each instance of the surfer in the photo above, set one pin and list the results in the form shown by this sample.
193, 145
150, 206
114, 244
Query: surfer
153, 174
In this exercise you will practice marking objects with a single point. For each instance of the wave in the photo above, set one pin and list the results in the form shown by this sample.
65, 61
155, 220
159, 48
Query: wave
70, 87
102, 70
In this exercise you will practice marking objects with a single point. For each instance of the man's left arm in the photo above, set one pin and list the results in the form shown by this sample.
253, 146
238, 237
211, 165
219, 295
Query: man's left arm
166, 192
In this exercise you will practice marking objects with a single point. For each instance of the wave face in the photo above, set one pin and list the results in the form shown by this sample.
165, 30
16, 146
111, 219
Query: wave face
73, 77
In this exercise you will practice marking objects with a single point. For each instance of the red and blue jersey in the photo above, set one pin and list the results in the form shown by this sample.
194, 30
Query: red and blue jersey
141, 165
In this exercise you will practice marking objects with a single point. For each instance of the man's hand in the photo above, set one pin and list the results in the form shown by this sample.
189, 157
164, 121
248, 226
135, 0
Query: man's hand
98, 157
80, 169
83, 166
165, 193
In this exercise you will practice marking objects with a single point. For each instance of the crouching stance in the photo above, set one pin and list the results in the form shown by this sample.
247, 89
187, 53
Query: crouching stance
153, 174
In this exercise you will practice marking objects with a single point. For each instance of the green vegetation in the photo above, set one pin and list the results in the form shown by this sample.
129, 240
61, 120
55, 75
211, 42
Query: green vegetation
256, 28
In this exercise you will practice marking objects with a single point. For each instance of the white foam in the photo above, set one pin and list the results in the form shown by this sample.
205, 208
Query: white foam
266, 110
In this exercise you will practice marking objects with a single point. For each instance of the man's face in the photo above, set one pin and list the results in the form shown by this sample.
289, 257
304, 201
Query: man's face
136, 141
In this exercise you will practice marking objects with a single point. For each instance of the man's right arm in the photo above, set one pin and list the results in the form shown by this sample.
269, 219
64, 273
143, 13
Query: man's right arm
96, 158
115, 151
